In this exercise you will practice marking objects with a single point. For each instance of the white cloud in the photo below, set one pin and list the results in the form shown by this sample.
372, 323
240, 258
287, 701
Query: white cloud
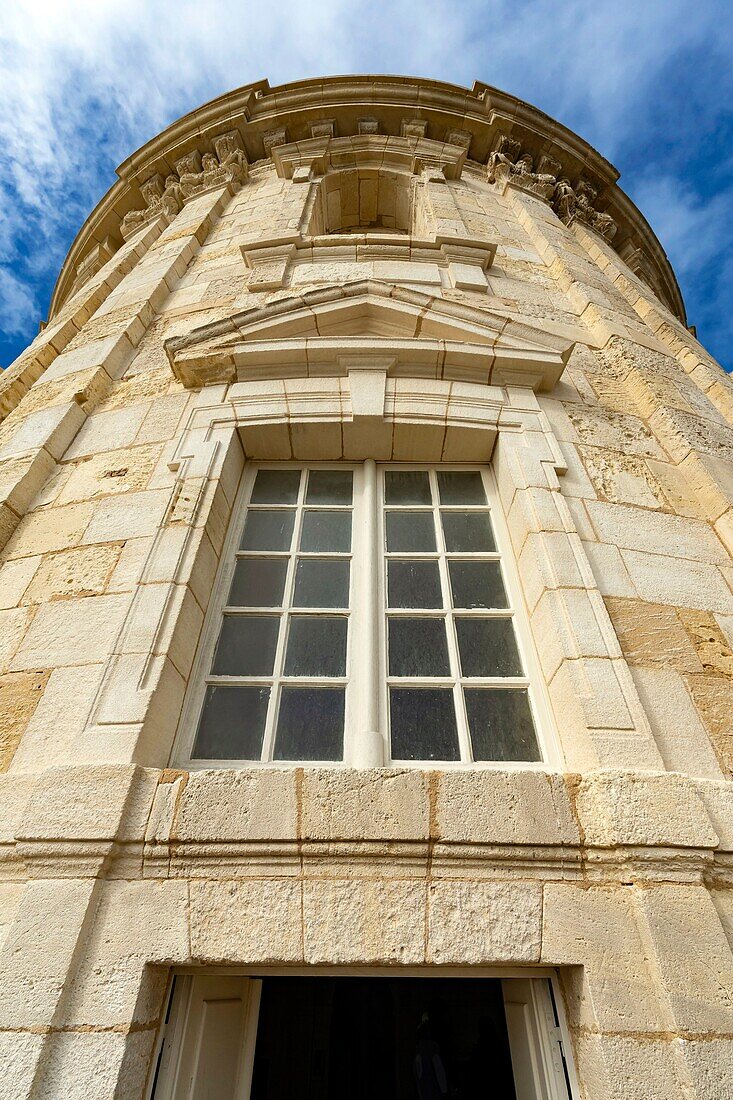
83, 83
18, 303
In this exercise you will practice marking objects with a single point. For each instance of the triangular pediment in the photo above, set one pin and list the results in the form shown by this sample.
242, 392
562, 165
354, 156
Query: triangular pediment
335, 328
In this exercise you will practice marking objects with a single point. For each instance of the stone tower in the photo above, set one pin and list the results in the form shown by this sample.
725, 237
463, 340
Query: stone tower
366, 684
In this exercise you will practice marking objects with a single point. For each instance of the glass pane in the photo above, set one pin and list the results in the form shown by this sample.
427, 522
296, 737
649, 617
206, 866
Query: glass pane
407, 487
258, 582
488, 647
246, 645
232, 723
316, 646
423, 724
468, 531
461, 487
330, 487
268, 530
326, 531
276, 487
310, 724
477, 584
321, 583
500, 721
410, 531
418, 647
413, 584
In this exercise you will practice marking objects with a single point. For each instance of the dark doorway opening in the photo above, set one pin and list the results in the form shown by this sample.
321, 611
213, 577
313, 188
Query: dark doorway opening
382, 1039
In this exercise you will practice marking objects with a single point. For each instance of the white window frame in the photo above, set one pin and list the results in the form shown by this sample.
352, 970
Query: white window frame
366, 738
539, 1040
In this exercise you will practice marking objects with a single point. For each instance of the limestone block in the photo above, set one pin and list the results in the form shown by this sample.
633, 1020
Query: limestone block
20, 1053
363, 921
15, 576
107, 474
698, 983
482, 923
609, 571
713, 649
110, 353
13, 626
575, 481
20, 694
595, 684
21, 479
622, 479
655, 532
659, 578
245, 922
135, 924
85, 802
713, 697
48, 530
95, 1065
619, 1067
380, 805
613, 431
652, 634
163, 419
38, 950
242, 805
636, 808
71, 632
504, 807
678, 731
709, 1065
108, 431
568, 623
50, 428
597, 928
10, 897
83, 571
131, 516
59, 718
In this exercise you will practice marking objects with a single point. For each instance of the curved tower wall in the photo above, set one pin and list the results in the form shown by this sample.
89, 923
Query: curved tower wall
353, 271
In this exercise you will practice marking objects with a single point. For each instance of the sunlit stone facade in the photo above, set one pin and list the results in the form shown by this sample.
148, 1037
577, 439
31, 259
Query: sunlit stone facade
366, 271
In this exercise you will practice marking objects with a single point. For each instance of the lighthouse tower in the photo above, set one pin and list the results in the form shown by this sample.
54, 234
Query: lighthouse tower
366, 681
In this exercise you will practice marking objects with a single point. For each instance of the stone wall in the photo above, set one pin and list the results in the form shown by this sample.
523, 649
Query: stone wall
610, 863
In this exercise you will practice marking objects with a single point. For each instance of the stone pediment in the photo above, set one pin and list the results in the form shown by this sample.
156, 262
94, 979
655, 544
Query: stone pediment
335, 329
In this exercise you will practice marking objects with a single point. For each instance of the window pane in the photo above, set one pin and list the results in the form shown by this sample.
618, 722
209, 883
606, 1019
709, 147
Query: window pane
330, 487
461, 487
276, 487
418, 647
488, 647
268, 530
326, 531
413, 584
423, 724
410, 531
468, 532
232, 723
407, 487
500, 721
258, 582
321, 583
477, 584
316, 646
310, 724
246, 645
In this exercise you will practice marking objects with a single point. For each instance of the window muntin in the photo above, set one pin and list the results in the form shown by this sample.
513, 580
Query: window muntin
277, 685
456, 684
295, 652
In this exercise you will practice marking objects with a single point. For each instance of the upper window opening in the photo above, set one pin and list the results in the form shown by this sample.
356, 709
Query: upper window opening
363, 603
357, 201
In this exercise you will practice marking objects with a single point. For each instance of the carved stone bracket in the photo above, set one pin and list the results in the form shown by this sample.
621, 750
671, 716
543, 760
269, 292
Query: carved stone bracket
577, 204
508, 165
195, 174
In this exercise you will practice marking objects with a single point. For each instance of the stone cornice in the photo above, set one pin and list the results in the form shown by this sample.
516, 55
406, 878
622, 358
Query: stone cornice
265, 118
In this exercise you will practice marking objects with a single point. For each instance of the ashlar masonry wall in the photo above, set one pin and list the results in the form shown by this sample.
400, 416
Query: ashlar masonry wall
610, 863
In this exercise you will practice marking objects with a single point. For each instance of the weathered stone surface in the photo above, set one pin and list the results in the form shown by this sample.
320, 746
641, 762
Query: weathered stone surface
364, 921
652, 634
484, 922
713, 698
81, 572
20, 694
255, 921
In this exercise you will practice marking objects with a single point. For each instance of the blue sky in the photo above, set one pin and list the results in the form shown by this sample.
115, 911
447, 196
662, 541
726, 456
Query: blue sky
83, 83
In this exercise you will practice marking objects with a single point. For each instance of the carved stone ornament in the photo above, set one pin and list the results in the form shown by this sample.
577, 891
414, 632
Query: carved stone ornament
578, 204
507, 164
194, 175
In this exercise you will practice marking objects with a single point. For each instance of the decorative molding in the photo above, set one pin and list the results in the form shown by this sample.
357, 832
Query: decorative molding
413, 128
195, 174
425, 336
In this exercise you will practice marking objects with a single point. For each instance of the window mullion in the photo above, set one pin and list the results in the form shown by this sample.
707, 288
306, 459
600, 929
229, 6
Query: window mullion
367, 739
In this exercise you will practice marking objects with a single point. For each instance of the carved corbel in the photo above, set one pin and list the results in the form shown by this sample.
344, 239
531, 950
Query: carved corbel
268, 263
